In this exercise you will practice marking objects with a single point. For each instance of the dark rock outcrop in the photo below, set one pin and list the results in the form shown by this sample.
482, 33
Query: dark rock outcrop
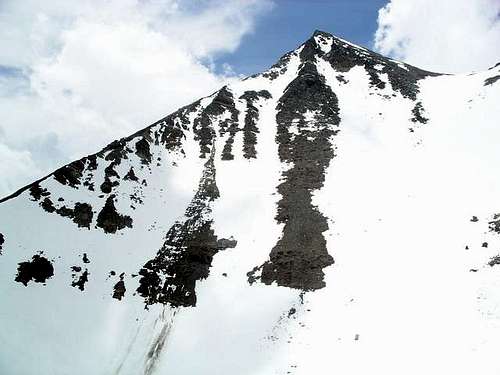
71, 173
494, 225
495, 261
79, 278
250, 129
204, 127
418, 114
110, 220
143, 151
119, 288
188, 250
81, 214
403, 78
38, 270
490, 81
298, 259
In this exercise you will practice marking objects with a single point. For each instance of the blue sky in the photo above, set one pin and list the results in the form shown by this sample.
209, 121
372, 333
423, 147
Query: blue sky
291, 22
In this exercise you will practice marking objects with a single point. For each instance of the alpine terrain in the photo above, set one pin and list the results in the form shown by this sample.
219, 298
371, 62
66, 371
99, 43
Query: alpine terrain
338, 213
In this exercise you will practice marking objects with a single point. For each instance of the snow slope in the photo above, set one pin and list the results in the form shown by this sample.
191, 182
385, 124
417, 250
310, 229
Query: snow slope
334, 214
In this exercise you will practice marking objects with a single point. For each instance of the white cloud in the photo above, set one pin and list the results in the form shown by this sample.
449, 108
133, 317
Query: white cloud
441, 35
80, 74
17, 165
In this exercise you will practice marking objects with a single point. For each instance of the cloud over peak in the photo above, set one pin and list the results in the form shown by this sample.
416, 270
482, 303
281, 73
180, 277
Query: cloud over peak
445, 36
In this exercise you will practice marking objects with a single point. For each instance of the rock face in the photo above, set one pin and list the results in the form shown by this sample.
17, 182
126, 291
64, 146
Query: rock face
325, 199
188, 251
110, 220
298, 259
38, 270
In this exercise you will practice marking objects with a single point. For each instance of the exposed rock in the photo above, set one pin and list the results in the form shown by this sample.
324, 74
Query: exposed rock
343, 57
341, 79
131, 175
203, 126
495, 261
225, 97
225, 243
250, 129
254, 274
37, 192
119, 288
116, 150
188, 250
136, 198
109, 174
110, 220
107, 186
494, 225
47, 205
38, 270
79, 282
143, 151
252, 95
417, 112
172, 135
81, 214
491, 80
2, 241
70, 174
171, 131
91, 162
279, 68
298, 259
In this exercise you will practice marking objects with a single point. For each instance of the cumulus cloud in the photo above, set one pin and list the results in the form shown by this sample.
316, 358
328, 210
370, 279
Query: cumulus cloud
444, 35
76, 75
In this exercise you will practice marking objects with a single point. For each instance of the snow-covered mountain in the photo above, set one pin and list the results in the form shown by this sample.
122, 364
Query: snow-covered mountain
336, 214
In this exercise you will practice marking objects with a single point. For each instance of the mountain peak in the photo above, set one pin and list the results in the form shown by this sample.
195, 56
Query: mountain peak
321, 33
343, 56
275, 216
323, 37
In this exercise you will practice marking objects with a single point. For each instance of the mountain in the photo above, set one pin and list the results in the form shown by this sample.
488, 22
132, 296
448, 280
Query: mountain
338, 213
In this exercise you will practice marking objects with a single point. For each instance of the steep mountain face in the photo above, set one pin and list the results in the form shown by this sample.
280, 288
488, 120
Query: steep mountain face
338, 213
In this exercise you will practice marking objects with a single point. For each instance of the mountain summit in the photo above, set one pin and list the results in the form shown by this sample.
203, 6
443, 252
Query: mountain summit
337, 213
